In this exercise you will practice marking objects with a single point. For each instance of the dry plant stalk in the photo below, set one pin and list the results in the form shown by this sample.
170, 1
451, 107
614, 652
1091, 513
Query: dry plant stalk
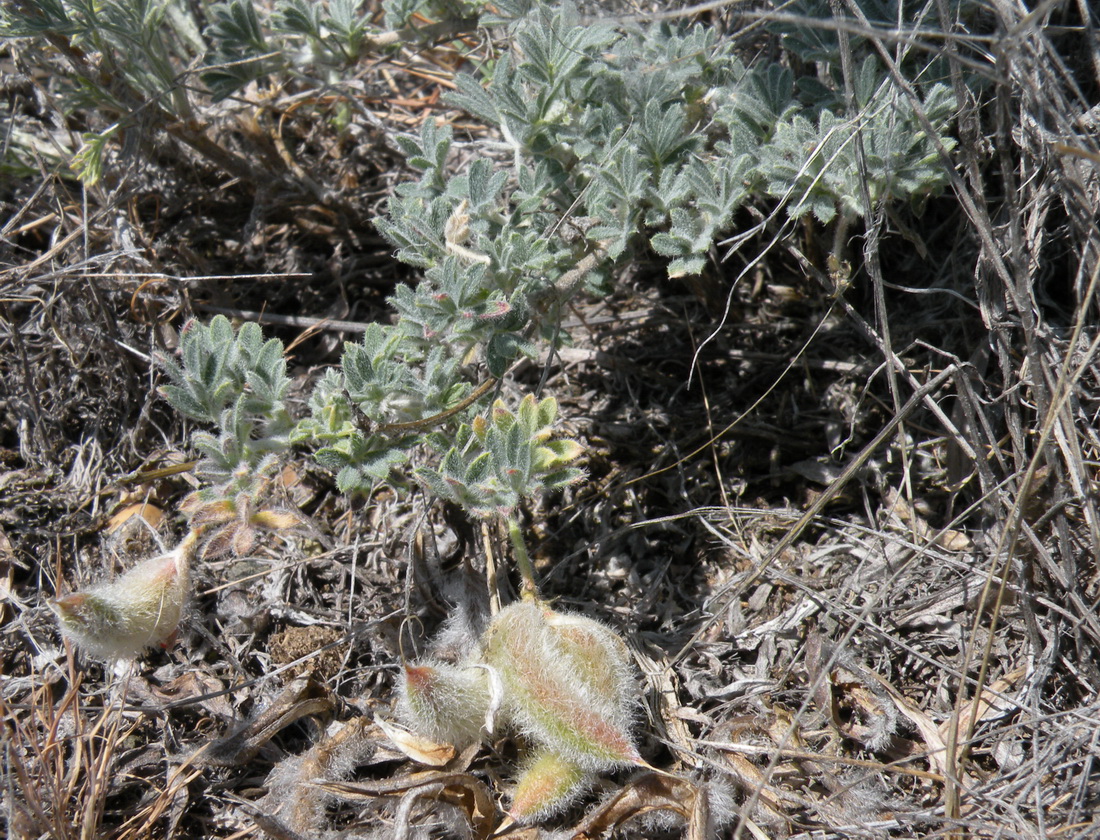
61, 762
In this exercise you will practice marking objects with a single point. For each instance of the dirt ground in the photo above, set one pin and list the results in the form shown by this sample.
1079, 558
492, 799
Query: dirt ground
850, 532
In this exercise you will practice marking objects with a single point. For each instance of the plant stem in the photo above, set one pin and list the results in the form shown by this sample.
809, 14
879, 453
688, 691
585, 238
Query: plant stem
529, 591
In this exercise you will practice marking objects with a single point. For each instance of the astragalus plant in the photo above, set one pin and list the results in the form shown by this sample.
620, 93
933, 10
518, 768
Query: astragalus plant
606, 141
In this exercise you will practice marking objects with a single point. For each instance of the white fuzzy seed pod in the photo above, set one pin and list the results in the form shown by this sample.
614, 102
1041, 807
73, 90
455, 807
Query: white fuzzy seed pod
120, 619
446, 703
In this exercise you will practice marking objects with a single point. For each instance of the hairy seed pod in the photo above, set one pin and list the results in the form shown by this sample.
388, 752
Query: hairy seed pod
567, 684
547, 785
446, 703
600, 655
120, 619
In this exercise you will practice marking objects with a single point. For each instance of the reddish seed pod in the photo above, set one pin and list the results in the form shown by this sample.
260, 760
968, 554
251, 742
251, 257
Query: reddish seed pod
547, 785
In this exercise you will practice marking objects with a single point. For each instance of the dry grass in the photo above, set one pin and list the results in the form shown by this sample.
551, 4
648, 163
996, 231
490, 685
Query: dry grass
852, 538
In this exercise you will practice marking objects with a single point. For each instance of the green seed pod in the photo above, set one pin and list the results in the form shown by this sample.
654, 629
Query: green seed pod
446, 703
548, 784
566, 684
120, 619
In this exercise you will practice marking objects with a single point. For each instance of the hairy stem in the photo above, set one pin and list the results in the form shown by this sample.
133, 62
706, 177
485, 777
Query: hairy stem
529, 591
